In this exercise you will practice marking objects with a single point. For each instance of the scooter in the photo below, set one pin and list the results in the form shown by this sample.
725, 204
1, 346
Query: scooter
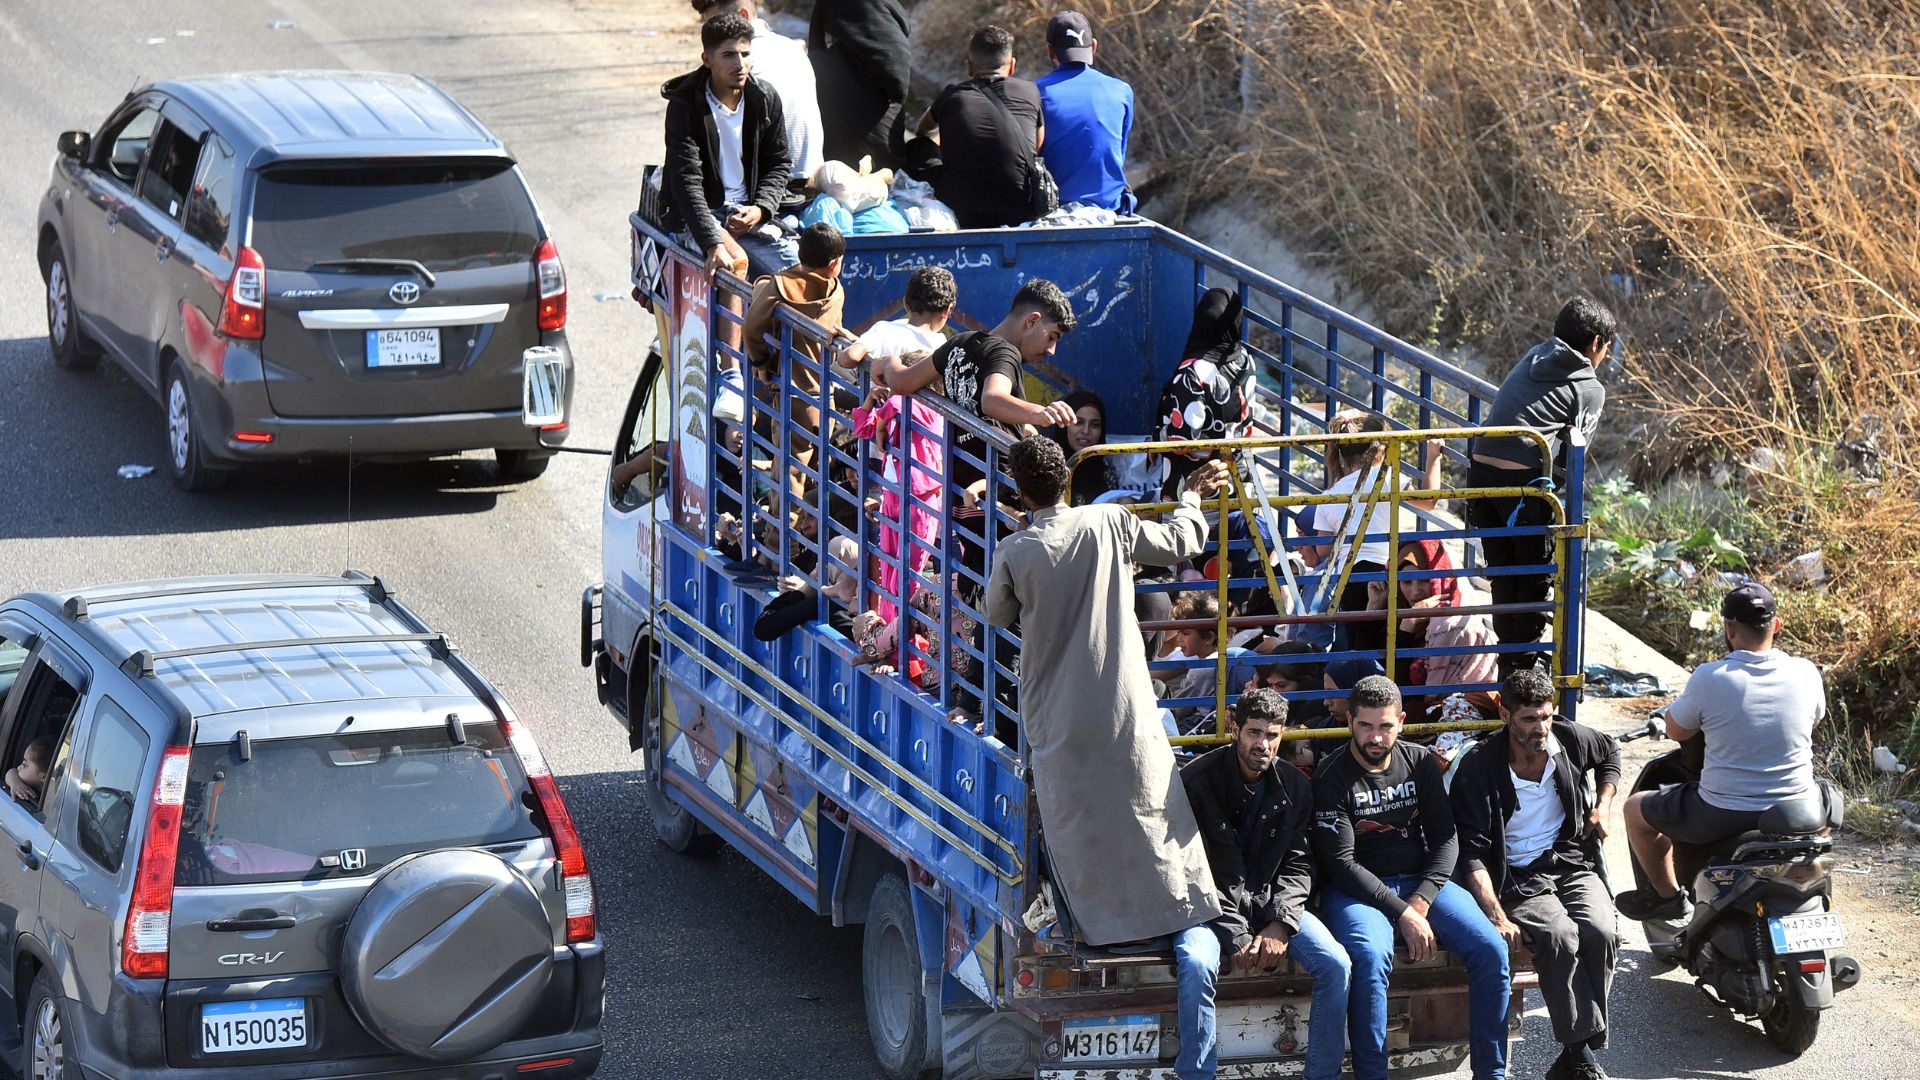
1763, 939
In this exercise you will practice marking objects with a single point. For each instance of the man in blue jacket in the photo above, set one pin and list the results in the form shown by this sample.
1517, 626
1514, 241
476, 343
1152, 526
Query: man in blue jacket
1089, 117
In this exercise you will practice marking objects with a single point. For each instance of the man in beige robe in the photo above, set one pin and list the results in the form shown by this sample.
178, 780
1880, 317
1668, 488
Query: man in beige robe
1121, 836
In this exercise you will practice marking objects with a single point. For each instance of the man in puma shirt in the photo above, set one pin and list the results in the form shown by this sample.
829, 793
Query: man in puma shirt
1383, 829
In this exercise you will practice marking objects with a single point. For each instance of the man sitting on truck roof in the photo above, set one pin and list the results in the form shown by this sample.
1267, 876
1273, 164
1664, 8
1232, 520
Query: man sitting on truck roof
1255, 812
1121, 839
1089, 117
1383, 829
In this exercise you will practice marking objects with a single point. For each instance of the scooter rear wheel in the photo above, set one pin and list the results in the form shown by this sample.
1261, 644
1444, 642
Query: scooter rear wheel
1791, 1026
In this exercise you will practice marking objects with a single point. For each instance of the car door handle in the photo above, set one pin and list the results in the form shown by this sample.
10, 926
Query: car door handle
28, 859
241, 926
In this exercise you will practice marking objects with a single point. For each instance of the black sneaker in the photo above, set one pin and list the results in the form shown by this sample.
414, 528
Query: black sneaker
1561, 1069
1641, 905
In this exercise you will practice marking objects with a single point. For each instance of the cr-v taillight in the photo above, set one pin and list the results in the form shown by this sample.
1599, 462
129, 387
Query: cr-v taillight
241, 316
143, 948
553, 286
575, 885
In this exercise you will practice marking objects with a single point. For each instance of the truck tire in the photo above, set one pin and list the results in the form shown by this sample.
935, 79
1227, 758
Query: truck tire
1791, 1026
674, 824
895, 987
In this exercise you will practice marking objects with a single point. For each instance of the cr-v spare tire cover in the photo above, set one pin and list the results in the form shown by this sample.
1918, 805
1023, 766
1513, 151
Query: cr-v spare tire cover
447, 955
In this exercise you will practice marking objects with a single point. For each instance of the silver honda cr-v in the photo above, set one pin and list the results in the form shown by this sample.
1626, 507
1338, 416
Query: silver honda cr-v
274, 827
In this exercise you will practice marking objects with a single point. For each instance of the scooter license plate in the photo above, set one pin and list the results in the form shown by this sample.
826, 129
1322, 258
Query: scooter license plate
1805, 933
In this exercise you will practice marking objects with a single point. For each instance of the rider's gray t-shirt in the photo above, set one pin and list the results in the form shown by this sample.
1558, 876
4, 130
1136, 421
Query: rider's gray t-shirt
1757, 711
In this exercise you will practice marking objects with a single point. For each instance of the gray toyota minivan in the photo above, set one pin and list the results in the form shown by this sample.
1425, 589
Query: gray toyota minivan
274, 827
303, 264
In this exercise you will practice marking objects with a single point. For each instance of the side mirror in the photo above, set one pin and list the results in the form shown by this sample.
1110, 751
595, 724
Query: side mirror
543, 387
75, 144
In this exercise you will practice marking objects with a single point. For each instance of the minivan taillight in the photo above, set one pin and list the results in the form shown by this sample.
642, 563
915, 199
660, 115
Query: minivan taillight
553, 286
242, 315
575, 886
143, 948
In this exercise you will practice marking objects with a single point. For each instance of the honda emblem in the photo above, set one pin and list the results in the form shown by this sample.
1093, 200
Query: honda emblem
404, 292
353, 859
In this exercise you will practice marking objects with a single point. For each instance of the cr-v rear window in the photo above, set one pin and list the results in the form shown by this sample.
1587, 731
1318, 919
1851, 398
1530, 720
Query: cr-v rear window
445, 216
347, 803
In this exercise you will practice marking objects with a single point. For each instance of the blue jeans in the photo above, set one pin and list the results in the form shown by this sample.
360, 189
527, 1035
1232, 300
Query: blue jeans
764, 256
1196, 958
1462, 928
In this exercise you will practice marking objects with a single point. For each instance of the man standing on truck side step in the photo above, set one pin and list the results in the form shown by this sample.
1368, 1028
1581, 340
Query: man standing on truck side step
1383, 829
781, 63
1121, 839
1089, 117
1530, 840
1555, 389
1255, 811
727, 156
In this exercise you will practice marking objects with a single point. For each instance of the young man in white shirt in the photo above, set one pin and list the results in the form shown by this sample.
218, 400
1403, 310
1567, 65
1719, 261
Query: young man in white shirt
781, 62
1530, 840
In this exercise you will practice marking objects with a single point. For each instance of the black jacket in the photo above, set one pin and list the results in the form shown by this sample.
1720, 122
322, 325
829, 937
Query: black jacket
1275, 884
695, 198
1483, 800
862, 69
1553, 388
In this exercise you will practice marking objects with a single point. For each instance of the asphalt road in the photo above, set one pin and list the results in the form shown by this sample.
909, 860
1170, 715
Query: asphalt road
713, 970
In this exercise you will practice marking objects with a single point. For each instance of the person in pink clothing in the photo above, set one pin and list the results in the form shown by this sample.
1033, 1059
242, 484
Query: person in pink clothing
884, 416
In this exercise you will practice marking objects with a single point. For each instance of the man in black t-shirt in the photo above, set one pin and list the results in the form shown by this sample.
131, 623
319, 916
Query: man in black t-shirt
985, 144
1383, 829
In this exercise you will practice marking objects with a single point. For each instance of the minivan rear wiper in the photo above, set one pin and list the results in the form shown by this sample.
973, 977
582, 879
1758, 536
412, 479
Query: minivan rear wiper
417, 267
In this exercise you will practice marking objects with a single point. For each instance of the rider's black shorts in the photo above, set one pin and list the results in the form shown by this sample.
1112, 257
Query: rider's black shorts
1680, 812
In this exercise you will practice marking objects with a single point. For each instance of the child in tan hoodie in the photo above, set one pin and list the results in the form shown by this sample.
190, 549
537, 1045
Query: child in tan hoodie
810, 288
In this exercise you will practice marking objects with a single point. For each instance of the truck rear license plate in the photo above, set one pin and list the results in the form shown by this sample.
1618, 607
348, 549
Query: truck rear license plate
1111, 1038
1805, 933
267, 1024
412, 347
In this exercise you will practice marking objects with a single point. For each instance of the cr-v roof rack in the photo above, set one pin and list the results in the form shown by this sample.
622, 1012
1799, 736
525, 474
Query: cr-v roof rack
141, 663
377, 591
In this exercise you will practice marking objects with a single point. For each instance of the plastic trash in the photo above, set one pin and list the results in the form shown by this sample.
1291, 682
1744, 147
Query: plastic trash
884, 218
156, 41
282, 24
134, 472
1884, 761
932, 216
830, 210
1604, 681
605, 295
1807, 569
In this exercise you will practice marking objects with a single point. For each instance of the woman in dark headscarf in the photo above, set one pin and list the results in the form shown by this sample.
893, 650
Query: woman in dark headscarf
1210, 394
1093, 477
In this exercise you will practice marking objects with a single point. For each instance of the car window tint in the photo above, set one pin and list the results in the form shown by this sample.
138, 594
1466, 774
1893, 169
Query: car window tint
125, 144
294, 807
57, 770
47, 703
170, 168
210, 203
109, 783
447, 217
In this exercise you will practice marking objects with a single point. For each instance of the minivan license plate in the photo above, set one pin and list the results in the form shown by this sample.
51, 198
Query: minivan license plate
1805, 933
1111, 1038
267, 1024
412, 347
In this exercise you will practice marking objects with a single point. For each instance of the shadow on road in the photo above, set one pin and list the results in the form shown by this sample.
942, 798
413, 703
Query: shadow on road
64, 436
1684, 1046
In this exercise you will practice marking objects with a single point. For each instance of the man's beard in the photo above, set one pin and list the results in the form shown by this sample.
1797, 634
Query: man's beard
1373, 755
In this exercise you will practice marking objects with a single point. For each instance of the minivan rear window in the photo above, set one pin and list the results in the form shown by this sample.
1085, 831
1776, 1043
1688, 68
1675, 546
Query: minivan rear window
445, 216
349, 803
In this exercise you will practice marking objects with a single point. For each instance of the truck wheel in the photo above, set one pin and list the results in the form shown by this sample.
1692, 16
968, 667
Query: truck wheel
70, 346
49, 1049
674, 824
895, 992
1790, 1025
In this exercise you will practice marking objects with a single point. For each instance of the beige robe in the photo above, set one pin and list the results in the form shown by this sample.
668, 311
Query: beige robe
1120, 833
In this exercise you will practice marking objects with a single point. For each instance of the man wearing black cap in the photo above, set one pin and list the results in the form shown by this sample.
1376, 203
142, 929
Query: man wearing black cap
1089, 119
1757, 708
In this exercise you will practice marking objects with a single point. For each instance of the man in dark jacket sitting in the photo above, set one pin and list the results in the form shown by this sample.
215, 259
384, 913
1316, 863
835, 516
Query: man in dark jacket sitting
1254, 811
727, 157
1530, 842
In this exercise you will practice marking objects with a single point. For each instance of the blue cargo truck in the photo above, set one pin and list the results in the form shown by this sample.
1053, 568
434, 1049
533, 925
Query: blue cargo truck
892, 790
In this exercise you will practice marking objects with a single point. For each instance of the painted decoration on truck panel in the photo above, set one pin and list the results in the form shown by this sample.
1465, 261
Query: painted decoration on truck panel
688, 335
972, 959
782, 809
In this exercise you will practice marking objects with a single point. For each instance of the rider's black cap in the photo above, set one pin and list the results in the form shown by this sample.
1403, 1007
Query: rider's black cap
1750, 602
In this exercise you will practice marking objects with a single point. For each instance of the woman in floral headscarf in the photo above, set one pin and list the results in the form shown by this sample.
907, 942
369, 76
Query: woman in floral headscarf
1210, 394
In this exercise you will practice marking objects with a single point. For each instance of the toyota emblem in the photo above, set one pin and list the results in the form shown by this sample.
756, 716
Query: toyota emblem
404, 292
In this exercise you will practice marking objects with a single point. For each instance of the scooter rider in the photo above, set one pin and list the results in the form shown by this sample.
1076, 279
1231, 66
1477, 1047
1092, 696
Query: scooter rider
1757, 708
